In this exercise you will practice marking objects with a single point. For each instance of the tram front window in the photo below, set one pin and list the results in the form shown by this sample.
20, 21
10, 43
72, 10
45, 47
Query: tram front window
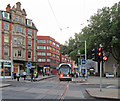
64, 70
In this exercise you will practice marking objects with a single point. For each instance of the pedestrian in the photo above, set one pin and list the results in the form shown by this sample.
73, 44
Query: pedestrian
32, 76
18, 76
24, 74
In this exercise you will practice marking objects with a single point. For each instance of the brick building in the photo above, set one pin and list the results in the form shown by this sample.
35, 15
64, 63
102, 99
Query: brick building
48, 53
16, 27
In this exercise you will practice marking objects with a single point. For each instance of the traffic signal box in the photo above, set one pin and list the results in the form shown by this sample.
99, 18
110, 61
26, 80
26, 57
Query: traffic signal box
94, 54
97, 54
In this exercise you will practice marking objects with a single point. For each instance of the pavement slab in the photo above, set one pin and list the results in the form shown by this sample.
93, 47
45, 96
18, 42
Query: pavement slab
104, 94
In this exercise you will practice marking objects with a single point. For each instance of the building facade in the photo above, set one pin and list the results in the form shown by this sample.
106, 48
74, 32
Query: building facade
66, 59
15, 28
48, 53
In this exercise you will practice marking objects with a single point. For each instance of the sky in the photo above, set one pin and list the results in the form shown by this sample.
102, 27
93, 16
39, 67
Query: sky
60, 19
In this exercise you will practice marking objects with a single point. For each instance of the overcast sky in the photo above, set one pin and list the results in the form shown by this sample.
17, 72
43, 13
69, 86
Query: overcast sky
69, 15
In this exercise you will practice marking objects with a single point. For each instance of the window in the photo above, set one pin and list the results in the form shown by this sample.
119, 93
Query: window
41, 41
41, 60
16, 18
29, 22
41, 47
54, 55
41, 54
29, 32
15, 53
15, 28
19, 29
57, 45
48, 41
15, 40
6, 38
6, 52
48, 47
24, 32
54, 43
58, 56
20, 20
6, 15
6, 26
29, 43
48, 60
19, 53
29, 54
19, 41
48, 54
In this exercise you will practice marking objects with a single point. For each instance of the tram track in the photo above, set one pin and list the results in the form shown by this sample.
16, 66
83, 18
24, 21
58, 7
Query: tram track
66, 89
60, 89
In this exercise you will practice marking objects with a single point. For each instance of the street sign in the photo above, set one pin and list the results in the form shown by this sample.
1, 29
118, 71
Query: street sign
83, 61
29, 65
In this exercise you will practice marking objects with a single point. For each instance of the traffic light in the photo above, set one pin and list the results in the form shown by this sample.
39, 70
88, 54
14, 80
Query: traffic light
99, 54
94, 55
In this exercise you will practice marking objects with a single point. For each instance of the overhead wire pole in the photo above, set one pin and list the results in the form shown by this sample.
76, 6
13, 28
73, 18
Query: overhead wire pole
54, 15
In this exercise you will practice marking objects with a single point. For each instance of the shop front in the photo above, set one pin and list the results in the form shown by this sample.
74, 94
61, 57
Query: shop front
5, 69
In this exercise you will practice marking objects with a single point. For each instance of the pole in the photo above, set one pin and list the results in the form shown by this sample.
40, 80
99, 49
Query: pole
86, 60
11, 61
101, 76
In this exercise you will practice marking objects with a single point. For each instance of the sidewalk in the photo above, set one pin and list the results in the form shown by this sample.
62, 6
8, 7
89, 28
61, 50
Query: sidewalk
106, 93
40, 77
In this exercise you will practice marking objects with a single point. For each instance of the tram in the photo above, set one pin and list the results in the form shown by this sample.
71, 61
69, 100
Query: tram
65, 72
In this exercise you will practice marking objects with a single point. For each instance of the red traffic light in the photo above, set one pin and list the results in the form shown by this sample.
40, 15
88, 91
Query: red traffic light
105, 58
99, 49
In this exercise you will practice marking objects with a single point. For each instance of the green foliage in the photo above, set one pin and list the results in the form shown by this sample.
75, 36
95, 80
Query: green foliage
103, 28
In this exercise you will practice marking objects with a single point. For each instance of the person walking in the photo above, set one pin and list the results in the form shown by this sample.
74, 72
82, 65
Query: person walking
18, 76
24, 74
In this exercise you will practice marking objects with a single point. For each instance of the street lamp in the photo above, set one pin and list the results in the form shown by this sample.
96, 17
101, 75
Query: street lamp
85, 58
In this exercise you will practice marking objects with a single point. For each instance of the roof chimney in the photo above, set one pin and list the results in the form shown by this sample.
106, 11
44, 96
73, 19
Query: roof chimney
18, 4
8, 8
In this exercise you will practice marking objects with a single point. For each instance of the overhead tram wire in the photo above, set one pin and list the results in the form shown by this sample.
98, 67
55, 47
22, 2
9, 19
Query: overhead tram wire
54, 15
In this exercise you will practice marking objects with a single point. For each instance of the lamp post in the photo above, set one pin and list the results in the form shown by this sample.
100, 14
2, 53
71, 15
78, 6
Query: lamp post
11, 61
85, 58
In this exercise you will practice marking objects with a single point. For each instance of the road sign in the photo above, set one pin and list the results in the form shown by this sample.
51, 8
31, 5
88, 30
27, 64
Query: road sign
83, 61
29, 65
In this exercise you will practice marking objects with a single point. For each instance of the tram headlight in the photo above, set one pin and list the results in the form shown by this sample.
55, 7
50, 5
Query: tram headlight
61, 75
67, 75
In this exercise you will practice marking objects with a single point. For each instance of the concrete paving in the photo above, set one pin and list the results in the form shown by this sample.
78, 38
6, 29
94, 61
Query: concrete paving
106, 93
22, 80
